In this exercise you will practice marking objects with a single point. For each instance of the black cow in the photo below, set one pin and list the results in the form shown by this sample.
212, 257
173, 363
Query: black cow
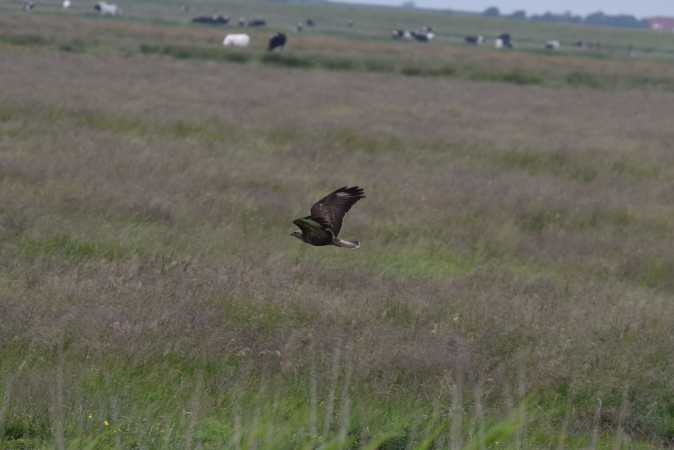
256, 23
211, 20
277, 41
474, 39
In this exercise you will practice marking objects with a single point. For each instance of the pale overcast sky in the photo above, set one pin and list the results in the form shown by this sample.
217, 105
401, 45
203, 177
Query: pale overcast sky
641, 8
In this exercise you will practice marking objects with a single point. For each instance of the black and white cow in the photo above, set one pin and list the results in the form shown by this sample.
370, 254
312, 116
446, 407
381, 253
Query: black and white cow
474, 39
243, 22
107, 8
552, 45
422, 36
401, 34
506, 40
277, 41
585, 44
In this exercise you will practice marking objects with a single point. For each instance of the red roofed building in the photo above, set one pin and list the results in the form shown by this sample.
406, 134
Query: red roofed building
661, 23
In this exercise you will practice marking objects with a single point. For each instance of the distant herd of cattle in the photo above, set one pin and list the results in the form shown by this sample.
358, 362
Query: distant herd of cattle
279, 40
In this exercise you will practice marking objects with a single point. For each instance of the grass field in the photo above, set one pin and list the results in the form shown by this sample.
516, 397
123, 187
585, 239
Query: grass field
514, 288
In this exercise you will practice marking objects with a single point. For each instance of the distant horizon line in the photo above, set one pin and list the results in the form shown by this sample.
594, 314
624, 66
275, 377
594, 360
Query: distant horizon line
400, 5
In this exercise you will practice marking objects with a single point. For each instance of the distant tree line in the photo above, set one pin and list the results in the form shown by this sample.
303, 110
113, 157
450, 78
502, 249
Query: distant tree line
597, 18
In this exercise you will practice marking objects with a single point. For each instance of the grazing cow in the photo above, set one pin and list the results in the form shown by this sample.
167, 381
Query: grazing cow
256, 23
552, 45
310, 23
277, 41
212, 20
423, 36
506, 40
107, 8
583, 44
474, 40
299, 27
349, 24
402, 34
236, 40
28, 6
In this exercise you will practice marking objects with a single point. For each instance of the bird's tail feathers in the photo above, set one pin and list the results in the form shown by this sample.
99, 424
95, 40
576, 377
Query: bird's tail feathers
347, 244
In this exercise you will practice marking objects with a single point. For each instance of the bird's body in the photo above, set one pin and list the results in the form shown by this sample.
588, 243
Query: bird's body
325, 222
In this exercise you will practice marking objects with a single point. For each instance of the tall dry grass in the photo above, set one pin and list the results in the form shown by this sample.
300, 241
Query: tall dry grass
517, 251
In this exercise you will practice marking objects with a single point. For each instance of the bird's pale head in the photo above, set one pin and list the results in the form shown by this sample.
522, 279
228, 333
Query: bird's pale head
297, 234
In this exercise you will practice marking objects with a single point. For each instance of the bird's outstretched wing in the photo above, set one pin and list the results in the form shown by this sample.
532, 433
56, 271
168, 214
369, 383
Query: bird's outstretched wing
330, 210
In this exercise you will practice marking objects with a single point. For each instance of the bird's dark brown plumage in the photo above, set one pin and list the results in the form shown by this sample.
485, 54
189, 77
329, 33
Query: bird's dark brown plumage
325, 222
332, 208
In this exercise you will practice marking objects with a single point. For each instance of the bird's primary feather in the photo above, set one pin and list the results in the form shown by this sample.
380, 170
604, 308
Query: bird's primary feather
332, 208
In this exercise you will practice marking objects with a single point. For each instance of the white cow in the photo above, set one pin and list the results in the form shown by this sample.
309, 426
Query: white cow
107, 8
498, 43
236, 40
66, 4
552, 45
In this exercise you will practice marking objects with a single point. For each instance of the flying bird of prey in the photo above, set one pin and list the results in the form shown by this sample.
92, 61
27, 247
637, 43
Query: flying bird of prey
323, 225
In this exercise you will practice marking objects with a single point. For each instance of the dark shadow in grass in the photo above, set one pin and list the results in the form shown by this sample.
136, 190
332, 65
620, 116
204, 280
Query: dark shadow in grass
583, 79
518, 77
21, 432
192, 52
7, 114
576, 79
25, 40
286, 60
378, 65
75, 46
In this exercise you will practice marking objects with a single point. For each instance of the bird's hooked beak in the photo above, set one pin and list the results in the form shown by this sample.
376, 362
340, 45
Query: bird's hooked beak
296, 234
